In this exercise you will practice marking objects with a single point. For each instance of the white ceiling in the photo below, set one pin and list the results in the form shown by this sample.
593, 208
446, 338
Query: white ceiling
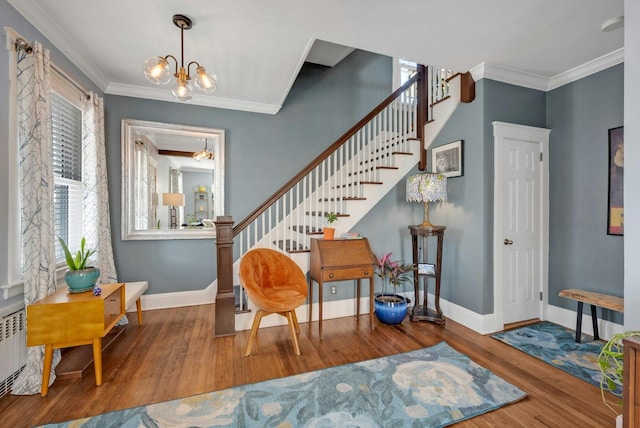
256, 47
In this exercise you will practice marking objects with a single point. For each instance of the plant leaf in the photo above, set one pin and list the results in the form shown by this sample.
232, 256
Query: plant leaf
67, 255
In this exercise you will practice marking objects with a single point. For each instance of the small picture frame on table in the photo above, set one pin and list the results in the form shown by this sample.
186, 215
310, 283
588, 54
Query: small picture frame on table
447, 159
426, 269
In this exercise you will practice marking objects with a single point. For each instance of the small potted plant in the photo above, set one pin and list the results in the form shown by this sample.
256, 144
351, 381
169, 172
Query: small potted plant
611, 364
328, 231
79, 277
391, 308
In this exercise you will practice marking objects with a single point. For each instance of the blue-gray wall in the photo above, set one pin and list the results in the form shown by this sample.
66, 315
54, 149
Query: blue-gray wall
581, 254
262, 153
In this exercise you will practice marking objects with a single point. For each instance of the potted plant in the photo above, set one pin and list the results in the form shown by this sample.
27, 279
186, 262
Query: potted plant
79, 277
611, 365
391, 308
329, 231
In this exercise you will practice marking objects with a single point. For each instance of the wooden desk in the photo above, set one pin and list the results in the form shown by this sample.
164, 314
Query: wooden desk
631, 382
63, 319
340, 260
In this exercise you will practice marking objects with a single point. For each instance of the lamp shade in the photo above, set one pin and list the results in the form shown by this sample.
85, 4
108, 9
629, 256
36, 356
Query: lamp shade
173, 199
426, 187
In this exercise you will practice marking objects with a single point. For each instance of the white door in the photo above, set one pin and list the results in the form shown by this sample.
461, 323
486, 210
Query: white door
520, 222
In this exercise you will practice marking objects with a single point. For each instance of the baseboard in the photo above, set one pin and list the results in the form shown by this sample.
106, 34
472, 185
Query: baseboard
483, 324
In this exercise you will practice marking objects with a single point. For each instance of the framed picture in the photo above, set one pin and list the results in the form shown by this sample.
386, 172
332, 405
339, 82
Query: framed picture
615, 209
426, 269
447, 159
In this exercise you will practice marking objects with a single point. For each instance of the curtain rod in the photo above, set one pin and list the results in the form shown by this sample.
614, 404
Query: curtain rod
26, 46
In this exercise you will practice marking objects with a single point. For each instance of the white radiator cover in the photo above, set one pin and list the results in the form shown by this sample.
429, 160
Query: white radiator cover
13, 348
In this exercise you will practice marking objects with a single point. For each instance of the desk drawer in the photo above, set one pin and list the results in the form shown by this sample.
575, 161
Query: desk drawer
346, 273
112, 307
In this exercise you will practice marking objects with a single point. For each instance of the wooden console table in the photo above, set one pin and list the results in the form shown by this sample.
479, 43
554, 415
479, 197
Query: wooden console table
340, 260
63, 319
421, 312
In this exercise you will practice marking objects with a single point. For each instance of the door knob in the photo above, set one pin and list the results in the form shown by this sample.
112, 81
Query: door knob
508, 242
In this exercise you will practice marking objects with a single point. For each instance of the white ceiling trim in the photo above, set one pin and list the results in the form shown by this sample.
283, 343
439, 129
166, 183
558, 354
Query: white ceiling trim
294, 76
164, 94
609, 60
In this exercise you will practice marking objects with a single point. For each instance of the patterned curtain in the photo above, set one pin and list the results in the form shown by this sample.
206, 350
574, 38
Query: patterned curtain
141, 185
96, 225
36, 199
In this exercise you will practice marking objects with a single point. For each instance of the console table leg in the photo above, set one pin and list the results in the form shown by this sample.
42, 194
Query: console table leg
46, 369
97, 359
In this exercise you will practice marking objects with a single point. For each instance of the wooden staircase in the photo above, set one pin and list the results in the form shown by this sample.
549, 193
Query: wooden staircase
352, 175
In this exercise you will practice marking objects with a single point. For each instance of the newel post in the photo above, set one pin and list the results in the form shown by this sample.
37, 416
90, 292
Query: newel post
422, 94
225, 324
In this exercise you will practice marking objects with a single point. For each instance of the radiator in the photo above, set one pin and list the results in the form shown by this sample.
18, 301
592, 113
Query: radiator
13, 348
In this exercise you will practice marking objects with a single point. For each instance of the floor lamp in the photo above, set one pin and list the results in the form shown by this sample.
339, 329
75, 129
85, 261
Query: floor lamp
173, 200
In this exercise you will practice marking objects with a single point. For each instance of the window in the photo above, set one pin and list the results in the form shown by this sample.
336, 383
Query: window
66, 124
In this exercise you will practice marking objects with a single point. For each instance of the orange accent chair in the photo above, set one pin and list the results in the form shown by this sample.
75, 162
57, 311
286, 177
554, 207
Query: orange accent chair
276, 285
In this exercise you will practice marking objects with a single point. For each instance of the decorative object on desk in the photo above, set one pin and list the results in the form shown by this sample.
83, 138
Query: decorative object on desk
329, 231
611, 364
430, 387
447, 159
157, 71
79, 277
173, 200
391, 308
426, 188
97, 291
615, 212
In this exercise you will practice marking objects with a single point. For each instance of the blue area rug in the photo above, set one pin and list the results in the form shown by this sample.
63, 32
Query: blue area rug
556, 345
431, 387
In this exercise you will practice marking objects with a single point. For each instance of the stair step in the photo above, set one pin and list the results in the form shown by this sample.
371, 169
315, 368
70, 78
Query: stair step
309, 230
322, 213
386, 167
414, 138
402, 153
344, 198
290, 246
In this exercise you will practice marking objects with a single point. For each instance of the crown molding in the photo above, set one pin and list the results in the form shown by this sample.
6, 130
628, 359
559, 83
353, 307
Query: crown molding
534, 81
609, 60
163, 94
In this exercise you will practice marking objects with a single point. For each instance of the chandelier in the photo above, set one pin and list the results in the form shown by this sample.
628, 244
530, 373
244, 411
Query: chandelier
203, 154
157, 71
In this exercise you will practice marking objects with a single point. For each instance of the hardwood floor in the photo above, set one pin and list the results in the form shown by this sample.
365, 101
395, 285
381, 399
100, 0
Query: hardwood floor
174, 354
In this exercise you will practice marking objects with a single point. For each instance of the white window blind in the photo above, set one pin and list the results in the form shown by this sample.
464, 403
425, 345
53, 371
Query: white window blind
66, 121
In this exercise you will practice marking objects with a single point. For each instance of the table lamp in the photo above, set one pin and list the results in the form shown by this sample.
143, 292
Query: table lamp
425, 188
173, 200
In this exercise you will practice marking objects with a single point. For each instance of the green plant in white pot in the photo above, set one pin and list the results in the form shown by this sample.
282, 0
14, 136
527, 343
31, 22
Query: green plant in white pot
79, 277
611, 363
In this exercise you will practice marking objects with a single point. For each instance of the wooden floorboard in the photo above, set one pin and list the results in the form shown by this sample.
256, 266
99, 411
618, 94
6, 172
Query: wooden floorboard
174, 354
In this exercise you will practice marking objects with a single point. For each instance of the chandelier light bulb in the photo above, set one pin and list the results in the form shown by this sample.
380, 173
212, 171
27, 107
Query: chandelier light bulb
182, 90
207, 83
156, 70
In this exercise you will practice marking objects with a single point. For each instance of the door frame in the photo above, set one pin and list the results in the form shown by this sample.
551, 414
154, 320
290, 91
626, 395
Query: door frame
502, 131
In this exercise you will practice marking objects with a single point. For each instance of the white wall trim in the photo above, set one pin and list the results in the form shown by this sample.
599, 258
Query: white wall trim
609, 60
164, 94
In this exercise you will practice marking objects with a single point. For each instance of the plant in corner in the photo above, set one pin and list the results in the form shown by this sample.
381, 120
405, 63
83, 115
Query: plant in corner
79, 277
329, 231
391, 308
611, 365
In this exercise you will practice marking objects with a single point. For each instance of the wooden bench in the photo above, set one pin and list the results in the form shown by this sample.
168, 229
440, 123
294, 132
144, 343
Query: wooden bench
593, 299
132, 293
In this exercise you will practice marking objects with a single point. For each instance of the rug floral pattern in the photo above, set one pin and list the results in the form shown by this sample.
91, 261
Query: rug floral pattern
430, 387
556, 345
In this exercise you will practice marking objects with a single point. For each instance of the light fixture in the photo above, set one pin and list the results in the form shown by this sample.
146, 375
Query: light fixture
157, 71
612, 24
173, 200
203, 154
426, 188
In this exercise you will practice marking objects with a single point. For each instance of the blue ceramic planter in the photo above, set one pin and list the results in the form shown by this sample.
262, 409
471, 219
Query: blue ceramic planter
390, 312
79, 281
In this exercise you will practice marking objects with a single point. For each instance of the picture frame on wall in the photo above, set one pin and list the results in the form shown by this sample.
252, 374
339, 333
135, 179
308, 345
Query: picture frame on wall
447, 159
615, 200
